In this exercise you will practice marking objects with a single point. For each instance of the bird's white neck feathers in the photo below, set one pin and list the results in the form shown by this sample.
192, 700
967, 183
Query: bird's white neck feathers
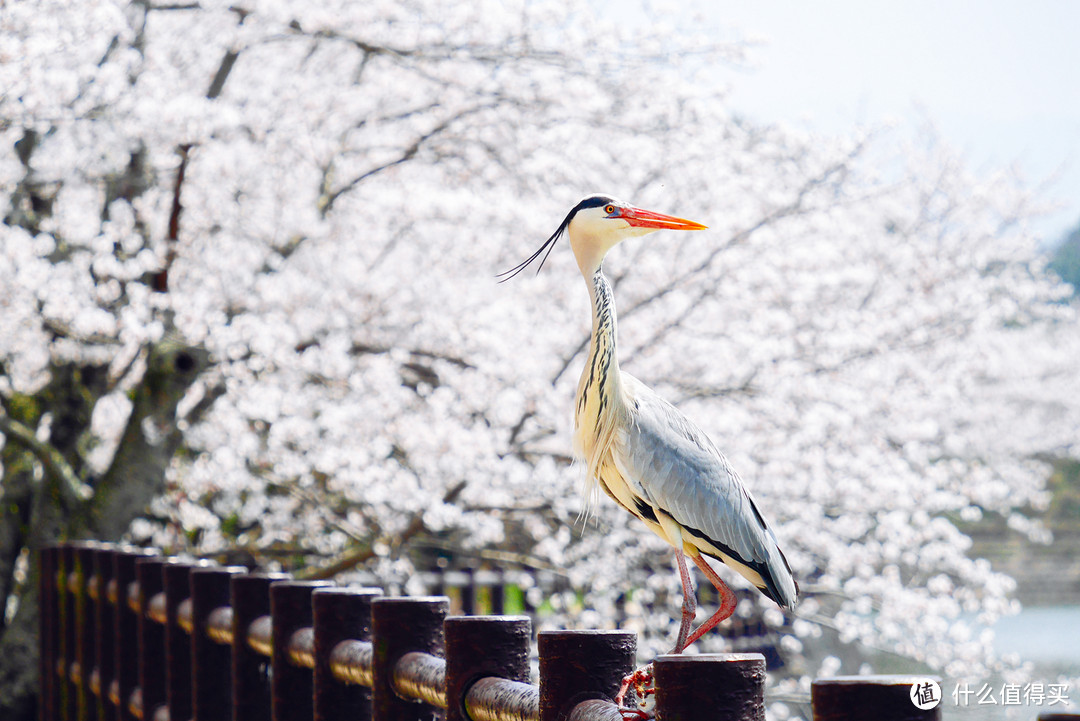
600, 402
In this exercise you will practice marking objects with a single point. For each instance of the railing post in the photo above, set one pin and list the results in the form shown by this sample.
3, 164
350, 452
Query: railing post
883, 698
48, 569
126, 632
176, 580
468, 593
250, 670
211, 673
400, 626
148, 572
710, 687
577, 666
85, 613
105, 637
66, 647
497, 593
479, 647
292, 685
339, 614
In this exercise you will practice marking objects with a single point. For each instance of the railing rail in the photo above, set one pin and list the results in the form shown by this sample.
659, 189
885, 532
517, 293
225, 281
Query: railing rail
130, 635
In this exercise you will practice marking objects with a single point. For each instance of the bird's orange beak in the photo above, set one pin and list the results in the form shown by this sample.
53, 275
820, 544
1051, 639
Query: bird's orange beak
648, 219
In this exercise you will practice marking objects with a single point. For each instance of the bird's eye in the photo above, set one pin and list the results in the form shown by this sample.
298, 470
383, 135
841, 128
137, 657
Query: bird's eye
610, 210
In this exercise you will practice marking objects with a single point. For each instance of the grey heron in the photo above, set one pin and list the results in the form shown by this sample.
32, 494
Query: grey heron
644, 452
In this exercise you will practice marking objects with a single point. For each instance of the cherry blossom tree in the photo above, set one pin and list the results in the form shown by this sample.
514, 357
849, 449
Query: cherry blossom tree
249, 255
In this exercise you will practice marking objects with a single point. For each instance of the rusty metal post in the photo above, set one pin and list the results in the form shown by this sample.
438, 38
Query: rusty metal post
250, 670
126, 632
176, 581
339, 614
152, 673
710, 687
576, 666
480, 647
291, 684
104, 621
883, 698
49, 621
400, 626
211, 673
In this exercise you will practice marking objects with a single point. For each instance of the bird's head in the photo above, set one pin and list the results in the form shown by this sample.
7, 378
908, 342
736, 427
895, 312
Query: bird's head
596, 225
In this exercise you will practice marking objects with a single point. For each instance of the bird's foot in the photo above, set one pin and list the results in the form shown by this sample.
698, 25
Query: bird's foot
641, 681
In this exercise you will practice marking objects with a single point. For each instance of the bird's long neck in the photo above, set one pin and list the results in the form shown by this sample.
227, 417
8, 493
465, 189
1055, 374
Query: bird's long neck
602, 369
599, 400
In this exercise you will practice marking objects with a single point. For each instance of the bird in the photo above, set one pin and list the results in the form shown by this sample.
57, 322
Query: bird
645, 453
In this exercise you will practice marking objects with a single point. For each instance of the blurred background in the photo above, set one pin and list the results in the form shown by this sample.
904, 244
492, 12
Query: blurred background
249, 309
993, 78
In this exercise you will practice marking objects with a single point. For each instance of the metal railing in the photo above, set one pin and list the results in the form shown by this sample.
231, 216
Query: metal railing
130, 635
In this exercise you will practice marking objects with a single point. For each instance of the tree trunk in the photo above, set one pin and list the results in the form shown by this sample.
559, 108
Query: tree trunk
135, 476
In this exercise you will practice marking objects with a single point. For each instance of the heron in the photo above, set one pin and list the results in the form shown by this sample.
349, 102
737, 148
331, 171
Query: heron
644, 453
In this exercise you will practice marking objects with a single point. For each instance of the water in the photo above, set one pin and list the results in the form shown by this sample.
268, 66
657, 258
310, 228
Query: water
1048, 636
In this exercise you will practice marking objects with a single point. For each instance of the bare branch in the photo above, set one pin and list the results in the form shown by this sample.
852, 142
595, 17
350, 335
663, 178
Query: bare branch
72, 490
327, 201
354, 558
222, 74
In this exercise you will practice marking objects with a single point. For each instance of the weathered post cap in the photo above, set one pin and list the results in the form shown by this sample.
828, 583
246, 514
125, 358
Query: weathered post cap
478, 647
711, 686
887, 698
577, 666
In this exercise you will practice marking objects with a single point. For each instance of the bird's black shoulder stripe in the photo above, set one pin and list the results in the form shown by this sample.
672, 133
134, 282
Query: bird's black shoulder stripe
761, 568
645, 510
757, 513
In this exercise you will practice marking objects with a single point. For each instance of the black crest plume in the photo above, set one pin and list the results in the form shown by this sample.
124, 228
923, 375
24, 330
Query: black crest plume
593, 201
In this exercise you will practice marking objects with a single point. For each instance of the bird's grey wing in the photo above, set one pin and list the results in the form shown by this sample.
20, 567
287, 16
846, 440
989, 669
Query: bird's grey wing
675, 467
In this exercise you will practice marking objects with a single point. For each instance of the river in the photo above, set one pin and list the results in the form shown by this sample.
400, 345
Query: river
1046, 636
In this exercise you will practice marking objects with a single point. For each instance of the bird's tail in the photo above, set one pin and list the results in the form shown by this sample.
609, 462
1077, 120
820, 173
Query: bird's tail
780, 584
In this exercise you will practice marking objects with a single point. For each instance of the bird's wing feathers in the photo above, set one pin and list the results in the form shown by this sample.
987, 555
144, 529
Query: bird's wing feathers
674, 466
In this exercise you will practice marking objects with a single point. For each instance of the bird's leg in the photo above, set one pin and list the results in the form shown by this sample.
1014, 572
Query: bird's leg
642, 679
642, 682
689, 606
728, 601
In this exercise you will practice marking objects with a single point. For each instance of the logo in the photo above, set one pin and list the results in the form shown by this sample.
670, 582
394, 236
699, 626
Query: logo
925, 694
